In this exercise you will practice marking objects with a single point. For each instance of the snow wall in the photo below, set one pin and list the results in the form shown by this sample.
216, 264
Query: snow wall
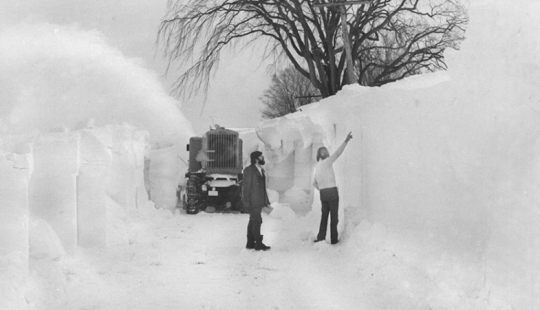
85, 135
66, 189
450, 161
57, 76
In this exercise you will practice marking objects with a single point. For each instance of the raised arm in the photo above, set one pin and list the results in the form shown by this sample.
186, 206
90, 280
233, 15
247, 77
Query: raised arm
340, 149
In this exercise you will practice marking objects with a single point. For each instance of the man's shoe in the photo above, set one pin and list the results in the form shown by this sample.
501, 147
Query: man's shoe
260, 246
334, 242
317, 240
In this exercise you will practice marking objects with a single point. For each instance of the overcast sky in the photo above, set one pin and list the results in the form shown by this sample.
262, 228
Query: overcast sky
131, 27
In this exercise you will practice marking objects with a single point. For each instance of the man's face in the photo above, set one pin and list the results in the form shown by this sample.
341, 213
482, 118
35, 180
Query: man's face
324, 153
260, 160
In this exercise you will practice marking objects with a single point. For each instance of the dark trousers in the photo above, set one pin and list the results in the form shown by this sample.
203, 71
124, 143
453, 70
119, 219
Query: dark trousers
255, 222
330, 206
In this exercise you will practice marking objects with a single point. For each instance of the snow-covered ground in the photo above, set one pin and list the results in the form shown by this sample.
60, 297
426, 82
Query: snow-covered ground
199, 262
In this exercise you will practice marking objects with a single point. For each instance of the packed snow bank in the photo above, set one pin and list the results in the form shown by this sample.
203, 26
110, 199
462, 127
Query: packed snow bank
282, 211
68, 189
165, 172
298, 199
52, 75
52, 191
250, 143
15, 170
65, 78
14, 282
61, 79
447, 160
80, 124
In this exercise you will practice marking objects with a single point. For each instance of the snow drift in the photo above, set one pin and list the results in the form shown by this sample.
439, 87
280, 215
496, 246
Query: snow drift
449, 161
78, 124
61, 76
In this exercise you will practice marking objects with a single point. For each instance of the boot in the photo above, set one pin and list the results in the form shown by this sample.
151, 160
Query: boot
259, 245
250, 242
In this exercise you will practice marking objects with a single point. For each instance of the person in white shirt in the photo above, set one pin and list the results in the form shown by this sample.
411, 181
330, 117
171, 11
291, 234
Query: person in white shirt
325, 182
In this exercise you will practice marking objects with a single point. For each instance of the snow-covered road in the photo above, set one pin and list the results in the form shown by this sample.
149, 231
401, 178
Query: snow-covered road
199, 262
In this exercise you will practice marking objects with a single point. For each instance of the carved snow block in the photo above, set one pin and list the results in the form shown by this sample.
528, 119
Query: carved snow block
126, 179
15, 170
92, 183
53, 185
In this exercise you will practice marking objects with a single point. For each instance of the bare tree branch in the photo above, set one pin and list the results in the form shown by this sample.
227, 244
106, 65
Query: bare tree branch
390, 39
288, 91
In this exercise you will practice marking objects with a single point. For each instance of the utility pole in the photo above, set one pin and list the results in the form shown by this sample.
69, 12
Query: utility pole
345, 32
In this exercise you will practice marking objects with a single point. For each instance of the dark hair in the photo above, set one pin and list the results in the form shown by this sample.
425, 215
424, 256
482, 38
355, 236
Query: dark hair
254, 156
319, 152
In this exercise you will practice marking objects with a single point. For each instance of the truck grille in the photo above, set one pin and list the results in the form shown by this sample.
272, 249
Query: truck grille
222, 149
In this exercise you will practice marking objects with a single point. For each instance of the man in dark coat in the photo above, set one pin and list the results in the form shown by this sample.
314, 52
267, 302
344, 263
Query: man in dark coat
254, 199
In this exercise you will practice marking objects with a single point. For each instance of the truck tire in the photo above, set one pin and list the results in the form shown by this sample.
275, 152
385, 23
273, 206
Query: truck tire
192, 196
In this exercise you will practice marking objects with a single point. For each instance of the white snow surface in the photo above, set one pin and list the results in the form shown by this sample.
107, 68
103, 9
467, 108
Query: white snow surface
61, 76
439, 193
449, 161
175, 261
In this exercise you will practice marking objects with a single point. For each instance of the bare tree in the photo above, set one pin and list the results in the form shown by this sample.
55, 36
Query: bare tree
288, 91
410, 46
310, 37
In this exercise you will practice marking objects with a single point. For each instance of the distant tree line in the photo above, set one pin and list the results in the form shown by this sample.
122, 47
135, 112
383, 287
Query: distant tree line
288, 91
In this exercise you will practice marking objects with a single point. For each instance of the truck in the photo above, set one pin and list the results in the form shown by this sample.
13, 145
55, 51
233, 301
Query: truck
214, 174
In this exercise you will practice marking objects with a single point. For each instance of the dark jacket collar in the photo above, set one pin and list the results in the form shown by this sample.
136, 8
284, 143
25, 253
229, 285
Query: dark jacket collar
257, 170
